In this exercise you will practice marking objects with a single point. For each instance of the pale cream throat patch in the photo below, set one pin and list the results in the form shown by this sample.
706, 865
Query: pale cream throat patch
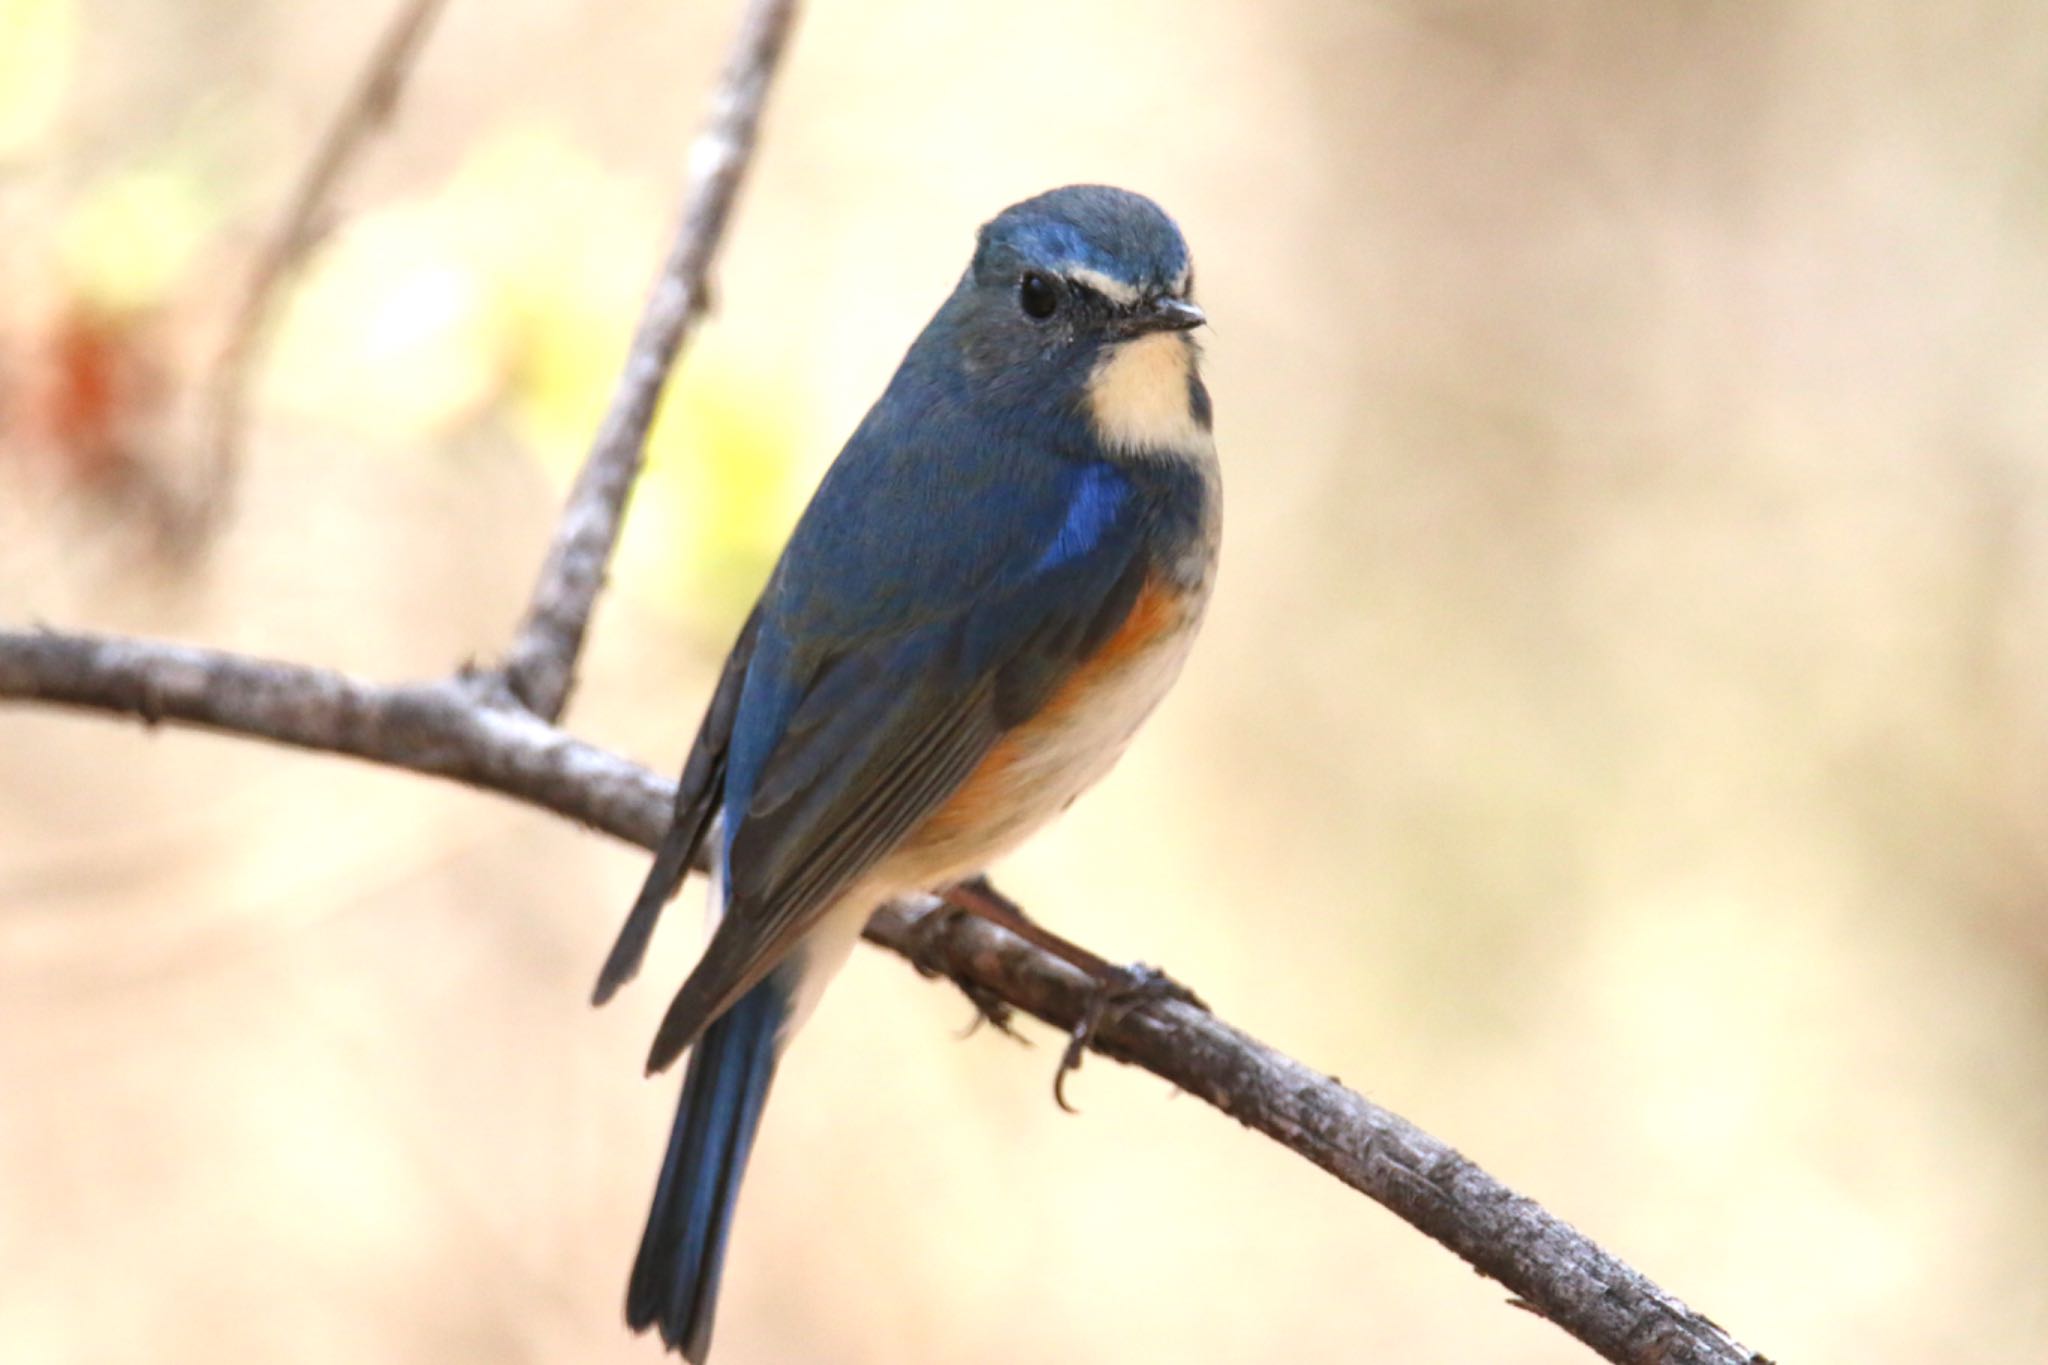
1139, 396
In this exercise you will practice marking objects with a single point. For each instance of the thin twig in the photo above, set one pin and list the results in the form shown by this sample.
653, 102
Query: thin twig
305, 221
540, 666
451, 729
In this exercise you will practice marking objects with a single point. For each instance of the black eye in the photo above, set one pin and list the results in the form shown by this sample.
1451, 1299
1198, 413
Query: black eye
1038, 296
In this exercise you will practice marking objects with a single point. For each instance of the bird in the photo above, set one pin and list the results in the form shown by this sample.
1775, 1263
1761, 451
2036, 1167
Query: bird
995, 582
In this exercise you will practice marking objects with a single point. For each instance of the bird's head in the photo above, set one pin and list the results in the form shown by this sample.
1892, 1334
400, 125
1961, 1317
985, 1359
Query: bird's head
1081, 295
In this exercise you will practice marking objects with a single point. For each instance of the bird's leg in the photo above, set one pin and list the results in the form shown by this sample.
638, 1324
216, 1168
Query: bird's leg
1116, 991
976, 897
989, 1008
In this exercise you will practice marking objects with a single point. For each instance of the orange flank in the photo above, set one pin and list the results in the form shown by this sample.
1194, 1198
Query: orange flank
975, 806
1157, 608
994, 794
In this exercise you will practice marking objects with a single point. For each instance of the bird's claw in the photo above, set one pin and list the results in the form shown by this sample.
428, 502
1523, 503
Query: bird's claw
989, 1008
1114, 996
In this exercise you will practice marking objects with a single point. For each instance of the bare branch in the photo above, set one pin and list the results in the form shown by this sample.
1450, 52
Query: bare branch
1553, 1269
443, 728
451, 729
540, 666
368, 107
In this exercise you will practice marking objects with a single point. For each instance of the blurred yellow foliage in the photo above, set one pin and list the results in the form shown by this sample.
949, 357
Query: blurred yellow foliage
518, 284
36, 43
131, 238
719, 493
390, 335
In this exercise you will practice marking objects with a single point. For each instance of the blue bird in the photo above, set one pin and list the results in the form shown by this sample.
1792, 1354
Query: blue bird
996, 581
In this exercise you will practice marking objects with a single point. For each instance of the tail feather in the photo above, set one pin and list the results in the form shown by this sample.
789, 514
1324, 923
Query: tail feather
671, 865
675, 1276
697, 798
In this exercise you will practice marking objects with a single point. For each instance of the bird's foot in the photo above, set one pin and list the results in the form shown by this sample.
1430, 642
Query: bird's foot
989, 1008
1117, 993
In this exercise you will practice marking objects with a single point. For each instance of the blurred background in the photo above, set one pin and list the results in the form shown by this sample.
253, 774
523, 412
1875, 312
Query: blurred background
1620, 740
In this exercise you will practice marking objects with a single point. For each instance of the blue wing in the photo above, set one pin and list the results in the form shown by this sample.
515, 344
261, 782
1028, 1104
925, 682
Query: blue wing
886, 666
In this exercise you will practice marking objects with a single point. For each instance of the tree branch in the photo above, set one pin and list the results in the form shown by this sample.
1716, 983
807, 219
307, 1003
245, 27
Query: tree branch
454, 729
450, 729
368, 106
540, 666
1553, 1269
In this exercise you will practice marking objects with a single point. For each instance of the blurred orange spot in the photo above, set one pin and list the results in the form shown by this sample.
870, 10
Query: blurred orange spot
96, 383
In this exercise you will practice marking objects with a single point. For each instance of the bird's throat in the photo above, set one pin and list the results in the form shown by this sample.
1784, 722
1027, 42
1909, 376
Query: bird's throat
1140, 396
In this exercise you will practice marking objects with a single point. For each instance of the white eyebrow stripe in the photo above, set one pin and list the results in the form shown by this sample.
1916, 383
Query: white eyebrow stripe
1115, 290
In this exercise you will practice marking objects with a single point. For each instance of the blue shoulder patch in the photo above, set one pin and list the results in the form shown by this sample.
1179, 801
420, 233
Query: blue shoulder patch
1099, 495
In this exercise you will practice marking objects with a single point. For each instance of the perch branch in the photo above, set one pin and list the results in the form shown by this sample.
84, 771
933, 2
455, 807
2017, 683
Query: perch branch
540, 666
454, 729
367, 108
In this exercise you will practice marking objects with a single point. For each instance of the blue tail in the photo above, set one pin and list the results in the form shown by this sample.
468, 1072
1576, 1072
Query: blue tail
675, 1276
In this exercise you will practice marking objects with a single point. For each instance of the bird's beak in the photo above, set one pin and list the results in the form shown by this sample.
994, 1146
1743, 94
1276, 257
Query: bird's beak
1162, 315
